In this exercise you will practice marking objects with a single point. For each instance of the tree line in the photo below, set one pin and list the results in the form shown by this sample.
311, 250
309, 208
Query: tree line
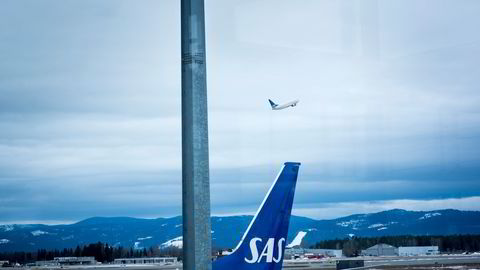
103, 252
446, 243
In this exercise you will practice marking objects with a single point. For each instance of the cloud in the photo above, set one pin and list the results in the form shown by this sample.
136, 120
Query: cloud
90, 104
335, 210
90, 58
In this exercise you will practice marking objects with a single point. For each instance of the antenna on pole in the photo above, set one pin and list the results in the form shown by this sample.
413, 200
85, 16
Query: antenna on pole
197, 239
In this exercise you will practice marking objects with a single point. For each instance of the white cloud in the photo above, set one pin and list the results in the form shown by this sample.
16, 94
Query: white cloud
335, 210
90, 99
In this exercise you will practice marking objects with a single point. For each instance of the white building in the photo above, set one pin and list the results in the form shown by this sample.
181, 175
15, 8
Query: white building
154, 260
310, 252
380, 250
415, 251
75, 260
68, 261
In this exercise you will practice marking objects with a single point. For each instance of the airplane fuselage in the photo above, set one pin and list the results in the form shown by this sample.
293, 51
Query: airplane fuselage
286, 105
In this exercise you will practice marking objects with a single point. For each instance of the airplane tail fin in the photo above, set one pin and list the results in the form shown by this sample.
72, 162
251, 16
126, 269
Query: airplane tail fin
263, 244
272, 104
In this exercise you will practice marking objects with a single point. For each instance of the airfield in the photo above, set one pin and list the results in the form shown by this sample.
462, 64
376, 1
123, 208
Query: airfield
456, 262
394, 262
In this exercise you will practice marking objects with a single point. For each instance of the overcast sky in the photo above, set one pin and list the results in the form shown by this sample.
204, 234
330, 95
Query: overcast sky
389, 113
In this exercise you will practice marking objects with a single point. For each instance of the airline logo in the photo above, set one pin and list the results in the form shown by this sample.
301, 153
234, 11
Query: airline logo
267, 254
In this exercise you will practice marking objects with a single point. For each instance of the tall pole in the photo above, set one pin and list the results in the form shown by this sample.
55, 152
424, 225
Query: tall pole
195, 169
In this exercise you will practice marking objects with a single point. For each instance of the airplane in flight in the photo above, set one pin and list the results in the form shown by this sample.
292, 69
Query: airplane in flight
263, 244
283, 106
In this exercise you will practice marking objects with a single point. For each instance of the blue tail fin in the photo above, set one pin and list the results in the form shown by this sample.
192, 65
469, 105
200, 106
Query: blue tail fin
272, 104
263, 244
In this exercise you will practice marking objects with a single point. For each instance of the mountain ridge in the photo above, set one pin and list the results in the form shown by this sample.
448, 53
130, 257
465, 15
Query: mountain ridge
141, 233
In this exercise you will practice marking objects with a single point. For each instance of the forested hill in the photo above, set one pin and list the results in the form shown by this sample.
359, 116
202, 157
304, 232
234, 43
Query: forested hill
226, 231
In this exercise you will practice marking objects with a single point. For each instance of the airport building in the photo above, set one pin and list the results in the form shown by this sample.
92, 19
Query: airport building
75, 260
388, 250
295, 253
68, 261
155, 260
416, 251
380, 250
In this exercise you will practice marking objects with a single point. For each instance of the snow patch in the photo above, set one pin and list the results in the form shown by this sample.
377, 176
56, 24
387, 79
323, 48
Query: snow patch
297, 240
144, 238
312, 229
7, 228
351, 235
175, 242
67, 237
178, 225
380, 226
4, 241
38, 232
137, 245
430, 215
353, 223
164, 224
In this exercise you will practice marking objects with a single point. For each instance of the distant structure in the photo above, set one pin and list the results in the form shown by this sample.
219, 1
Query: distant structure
310, 253
388, 250
154, 260
63, 261
415, 251
380, 250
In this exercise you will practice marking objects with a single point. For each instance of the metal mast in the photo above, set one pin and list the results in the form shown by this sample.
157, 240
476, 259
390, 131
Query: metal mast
195, 168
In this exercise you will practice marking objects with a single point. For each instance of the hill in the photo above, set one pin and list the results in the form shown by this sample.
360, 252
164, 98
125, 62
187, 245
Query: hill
227, 231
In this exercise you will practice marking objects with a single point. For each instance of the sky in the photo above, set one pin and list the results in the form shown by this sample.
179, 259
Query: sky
90, 108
